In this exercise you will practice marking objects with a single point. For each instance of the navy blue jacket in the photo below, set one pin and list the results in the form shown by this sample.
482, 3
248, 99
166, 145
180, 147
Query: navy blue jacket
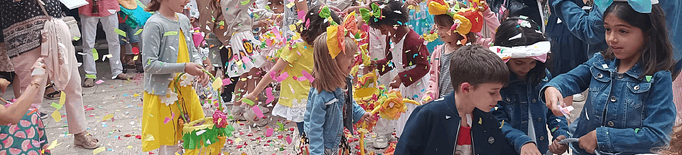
433, 128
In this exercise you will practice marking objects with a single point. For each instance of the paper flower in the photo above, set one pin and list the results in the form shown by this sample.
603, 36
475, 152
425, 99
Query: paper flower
186, 80
169, 98
392, 105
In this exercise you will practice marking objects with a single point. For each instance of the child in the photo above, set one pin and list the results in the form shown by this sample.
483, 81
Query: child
629, 108
328, 96
167, 48
525, 119
439, 85
461, 118
245, 60
294, 60
407, 57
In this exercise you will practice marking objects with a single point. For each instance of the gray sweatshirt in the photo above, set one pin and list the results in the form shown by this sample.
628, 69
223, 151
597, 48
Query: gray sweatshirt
159, 41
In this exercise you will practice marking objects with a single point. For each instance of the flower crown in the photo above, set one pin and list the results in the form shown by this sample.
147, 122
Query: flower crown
466, 20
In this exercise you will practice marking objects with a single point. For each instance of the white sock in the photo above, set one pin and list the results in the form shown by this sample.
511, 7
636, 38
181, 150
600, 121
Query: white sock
168, 150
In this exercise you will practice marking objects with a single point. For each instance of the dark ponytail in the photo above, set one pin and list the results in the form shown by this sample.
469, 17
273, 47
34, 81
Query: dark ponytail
153, 6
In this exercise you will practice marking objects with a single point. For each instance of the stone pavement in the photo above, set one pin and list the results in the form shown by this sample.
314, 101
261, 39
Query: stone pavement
123, 100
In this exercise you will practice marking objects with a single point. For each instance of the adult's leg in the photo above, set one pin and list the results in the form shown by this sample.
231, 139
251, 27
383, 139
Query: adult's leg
22, 67
110, 24
89, 28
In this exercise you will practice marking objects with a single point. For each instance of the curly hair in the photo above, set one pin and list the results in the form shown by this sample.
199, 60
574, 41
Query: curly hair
392, 12
675, 147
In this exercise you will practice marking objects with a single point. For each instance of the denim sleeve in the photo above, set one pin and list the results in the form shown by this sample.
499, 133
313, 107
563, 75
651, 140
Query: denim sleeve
588, 27
415, 134
573, 82
357, 112
659, 119
314, 128
515, 137
558, 126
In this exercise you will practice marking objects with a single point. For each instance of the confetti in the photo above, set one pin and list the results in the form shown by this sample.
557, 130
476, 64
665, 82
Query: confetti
53, 144
308, 76
288, 139
76, 38
95, 55
268, 92
268, 133
217, 83
107, 117
138, 32
120, 32
258, 112
248, 101
98, 150
281, 77
245, 2
301, 14
136, 50
99, 82
62, 98
170, 33
56, 116
226, 82
56, 106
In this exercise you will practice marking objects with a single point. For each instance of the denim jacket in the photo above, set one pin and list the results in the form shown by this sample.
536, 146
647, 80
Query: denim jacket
631, 114
589, 27
323, 119
517, 97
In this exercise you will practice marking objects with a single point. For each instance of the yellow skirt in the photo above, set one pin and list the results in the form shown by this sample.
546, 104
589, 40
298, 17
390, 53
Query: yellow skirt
157, 132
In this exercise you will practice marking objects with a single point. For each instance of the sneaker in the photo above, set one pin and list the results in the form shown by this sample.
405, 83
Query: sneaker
43, 115
578, 97
381, 142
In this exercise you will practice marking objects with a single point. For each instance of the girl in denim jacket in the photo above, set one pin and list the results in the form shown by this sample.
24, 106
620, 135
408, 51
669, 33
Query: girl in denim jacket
525, 119
630, 107
328, 97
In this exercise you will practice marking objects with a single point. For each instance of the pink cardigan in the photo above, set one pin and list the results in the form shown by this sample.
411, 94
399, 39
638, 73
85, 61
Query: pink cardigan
491, 22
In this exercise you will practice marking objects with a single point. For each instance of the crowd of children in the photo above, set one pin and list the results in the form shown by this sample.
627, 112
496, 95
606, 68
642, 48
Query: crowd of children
481, 89
495, 83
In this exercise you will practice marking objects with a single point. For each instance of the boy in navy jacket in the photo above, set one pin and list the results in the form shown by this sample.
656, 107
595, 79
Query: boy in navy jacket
460, 123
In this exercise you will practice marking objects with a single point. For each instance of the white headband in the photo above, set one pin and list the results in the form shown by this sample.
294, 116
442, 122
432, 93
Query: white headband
537, 51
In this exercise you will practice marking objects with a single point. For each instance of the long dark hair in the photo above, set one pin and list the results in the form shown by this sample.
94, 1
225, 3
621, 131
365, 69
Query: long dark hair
317, 26
658, 52
529, 36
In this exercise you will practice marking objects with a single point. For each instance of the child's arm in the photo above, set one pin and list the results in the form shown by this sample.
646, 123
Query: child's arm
415, 132
358, 112
659, 118
558, 125
587, 27
515, 137
573, 82
418, 56
266, 80
432, 91
491, 23
314, 129
151, 49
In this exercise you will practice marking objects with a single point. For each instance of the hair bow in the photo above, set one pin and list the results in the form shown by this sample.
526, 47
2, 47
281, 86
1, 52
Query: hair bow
374, 12
537, 51
336, 35
327, 14
466, 20
641, 6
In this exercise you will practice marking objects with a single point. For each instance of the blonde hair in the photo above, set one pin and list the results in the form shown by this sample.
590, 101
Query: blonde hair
326, 69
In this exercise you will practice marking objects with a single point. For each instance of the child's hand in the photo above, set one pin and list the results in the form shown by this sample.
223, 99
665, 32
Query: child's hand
204, 79
589, 141
557, 148
554, 99
530, 148
367, 117
371, 67
193, 69
395, 84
